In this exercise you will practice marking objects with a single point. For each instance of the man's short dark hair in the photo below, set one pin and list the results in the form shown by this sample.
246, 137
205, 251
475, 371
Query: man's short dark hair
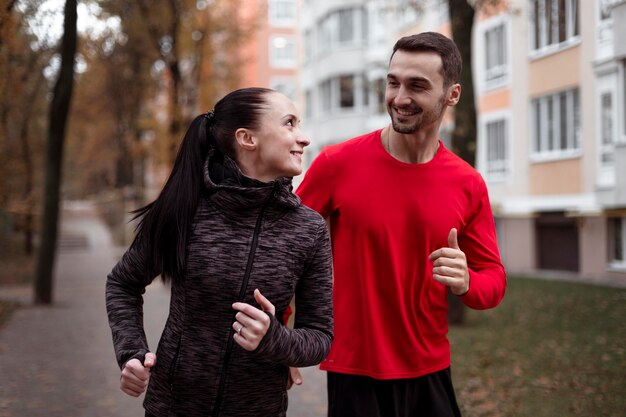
451, 63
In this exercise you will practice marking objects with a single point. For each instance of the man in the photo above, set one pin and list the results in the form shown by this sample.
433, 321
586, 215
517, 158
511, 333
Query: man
409, 221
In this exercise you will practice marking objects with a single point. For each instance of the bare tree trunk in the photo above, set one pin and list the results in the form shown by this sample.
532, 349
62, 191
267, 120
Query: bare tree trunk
28, 189
464, 134
59, 110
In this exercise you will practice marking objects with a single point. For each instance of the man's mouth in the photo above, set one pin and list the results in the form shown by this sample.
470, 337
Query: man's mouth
406, 112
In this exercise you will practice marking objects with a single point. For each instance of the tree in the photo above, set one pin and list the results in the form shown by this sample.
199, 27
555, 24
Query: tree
58, 114
23, 58
464, 133
462, 13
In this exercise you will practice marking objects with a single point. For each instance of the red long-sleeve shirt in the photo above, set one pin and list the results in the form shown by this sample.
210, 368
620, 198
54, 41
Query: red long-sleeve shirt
386, 218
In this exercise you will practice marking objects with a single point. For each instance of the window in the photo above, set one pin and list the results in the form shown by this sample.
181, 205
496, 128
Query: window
495, 54
308, 45
343, 93
406, 13
285, 85
365, 85
555, 23
605, 8
343, 27
556, 124
379, 87
325, 35
282, 12
283, 52
617, 242
497, 164
623, 69
325, 97
308, 104
346, 91
606, 126
346, 25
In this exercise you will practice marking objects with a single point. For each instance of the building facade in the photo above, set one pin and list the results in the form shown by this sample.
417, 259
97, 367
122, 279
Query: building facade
270, 55
550, 85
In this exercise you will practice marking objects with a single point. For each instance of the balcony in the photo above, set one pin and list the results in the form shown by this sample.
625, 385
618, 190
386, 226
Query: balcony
615, 197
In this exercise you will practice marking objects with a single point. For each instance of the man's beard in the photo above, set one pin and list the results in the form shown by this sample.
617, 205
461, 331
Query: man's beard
427, 118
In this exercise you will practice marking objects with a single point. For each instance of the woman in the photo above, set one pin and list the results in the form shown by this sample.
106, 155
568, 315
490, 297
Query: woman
237, 245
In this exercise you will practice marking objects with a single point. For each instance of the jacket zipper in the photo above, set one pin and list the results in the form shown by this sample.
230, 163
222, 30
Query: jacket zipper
242, 293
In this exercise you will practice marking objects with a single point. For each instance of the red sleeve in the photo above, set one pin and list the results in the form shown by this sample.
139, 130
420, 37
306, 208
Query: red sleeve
479, 243
287, 314
316, 189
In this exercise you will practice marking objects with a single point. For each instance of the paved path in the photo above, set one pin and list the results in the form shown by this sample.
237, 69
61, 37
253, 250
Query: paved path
58, 361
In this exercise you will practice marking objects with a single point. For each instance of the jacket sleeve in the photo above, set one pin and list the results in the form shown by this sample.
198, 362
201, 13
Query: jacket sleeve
479, 243
125, 287
309, 341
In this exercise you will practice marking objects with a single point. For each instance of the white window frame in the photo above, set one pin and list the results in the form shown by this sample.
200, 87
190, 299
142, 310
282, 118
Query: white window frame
493, 78
621, 101
325, 89
274, 9
607, 84
551, 150
308, 47
329, 29
484, 164
545, 46
276, 59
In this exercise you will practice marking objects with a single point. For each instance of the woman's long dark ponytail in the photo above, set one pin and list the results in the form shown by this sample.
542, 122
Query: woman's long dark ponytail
165, 224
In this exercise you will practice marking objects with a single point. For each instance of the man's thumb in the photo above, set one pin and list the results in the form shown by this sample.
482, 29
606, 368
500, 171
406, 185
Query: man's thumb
149, 360
452, 239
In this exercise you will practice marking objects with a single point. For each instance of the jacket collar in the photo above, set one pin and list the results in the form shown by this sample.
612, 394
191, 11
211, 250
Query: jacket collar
230, 189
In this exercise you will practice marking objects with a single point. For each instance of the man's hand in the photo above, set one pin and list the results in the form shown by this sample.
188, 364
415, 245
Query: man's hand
450, 266
135, 375
252, 324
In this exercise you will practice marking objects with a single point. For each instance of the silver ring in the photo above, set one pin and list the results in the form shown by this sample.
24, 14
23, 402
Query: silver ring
239, 331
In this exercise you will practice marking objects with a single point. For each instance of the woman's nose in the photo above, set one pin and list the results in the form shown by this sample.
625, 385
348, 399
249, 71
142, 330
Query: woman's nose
304, 140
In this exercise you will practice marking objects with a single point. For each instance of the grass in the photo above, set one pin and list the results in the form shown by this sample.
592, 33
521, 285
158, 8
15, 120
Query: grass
550, 349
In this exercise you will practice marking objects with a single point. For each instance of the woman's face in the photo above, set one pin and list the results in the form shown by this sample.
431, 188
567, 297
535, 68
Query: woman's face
280, 142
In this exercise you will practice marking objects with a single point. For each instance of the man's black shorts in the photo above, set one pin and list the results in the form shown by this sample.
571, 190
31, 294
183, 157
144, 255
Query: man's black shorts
431, 395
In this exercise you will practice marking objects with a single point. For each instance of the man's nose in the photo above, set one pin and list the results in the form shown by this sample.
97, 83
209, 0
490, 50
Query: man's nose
402, 98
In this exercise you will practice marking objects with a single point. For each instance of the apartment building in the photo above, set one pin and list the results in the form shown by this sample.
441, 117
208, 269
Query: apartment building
270, 56
550, 89
547, 78
346, 47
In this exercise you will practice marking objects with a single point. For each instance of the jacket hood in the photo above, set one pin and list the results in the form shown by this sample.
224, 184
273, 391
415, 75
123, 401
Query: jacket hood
230, 189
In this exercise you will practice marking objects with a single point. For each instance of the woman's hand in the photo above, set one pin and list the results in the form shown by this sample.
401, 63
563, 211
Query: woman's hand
251, 323
135, 375
294, 377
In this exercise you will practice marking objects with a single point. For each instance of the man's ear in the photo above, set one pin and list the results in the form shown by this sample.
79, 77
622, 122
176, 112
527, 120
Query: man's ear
245, 139
454, 94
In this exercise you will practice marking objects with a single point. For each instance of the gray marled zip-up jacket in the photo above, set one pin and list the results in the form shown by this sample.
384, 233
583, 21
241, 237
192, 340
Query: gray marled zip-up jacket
246, 234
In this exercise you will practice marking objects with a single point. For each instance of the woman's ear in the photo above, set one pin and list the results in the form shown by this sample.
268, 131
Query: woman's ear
245, 139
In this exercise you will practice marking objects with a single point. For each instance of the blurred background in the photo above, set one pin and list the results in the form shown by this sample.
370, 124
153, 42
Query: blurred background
91, 116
